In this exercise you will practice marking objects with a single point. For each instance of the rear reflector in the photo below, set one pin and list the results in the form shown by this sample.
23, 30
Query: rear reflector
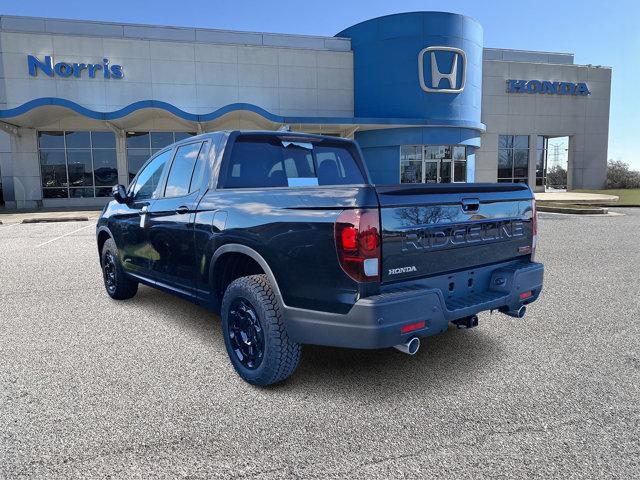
410, 327
525, 295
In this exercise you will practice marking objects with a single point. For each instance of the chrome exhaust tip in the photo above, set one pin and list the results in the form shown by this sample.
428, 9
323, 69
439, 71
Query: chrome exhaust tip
410, 347
519, 313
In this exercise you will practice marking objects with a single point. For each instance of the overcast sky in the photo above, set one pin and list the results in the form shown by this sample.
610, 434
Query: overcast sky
599, 33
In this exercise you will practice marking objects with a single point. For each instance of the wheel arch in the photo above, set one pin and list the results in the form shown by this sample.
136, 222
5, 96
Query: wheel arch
239, 249
102, 236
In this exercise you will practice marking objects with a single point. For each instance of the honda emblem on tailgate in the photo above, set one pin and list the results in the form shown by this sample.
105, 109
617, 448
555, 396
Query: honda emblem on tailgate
396, 271
438, 57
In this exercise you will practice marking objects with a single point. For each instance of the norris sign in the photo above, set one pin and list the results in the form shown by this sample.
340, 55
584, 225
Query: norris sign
68, 69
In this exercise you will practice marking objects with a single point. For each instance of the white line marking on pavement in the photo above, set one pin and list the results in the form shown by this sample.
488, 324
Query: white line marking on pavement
62, 236
7, 225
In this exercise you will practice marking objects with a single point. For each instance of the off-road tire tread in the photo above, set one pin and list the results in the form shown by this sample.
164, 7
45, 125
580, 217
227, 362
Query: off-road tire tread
285, 354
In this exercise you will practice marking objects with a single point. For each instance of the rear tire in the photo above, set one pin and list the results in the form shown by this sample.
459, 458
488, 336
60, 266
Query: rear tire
118, 285
255, 334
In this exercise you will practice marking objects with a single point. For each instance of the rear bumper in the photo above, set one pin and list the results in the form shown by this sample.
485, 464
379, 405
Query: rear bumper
374, 322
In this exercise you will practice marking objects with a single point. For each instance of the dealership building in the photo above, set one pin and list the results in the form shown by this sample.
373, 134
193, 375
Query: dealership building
84, 104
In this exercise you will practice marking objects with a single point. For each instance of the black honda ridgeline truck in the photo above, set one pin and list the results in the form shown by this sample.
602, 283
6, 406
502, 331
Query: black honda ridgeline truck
284, 235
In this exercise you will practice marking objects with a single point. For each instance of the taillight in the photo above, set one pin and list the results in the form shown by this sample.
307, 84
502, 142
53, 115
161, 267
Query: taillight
357, 234
534, 229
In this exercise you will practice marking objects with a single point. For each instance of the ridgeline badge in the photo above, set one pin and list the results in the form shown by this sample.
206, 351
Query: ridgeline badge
551, 88
65, 69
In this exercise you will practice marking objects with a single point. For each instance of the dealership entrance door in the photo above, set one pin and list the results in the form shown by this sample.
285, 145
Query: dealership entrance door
433, 163
437, 171
552, 162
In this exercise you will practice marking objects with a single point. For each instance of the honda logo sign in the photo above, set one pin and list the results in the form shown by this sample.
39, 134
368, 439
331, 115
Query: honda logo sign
439, 58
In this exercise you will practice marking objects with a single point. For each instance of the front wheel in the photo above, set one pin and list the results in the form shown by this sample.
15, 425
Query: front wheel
116, 282
255, 334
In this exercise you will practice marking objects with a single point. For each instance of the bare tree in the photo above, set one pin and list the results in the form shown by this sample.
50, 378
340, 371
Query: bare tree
557, 177
619, 175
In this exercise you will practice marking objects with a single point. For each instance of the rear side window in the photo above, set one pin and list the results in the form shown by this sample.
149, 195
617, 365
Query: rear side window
270, 162
182, 169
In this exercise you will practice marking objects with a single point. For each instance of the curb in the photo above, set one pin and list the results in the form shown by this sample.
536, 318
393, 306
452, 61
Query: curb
576, 211
621, 206
55, 219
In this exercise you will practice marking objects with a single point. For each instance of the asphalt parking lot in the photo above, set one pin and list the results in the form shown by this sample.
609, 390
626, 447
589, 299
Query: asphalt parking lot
143, 388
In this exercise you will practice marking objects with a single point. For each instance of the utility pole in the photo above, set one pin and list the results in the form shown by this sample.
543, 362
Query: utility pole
556, 155
559, 158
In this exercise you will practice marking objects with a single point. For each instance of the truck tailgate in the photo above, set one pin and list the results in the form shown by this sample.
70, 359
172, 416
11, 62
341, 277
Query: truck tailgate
435, 229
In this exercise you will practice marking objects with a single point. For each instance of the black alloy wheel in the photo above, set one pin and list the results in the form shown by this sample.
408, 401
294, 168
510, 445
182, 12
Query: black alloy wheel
109, 268
245, 333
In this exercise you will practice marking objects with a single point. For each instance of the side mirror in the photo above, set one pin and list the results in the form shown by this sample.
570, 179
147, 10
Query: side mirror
119, 193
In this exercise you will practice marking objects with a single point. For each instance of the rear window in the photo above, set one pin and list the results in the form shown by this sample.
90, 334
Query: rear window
271, 162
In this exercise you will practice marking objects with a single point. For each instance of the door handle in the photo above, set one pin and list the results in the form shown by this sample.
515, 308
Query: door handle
182, 209
470, 204
144, 212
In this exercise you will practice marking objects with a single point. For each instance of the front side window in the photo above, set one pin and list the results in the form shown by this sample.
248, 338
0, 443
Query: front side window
146, 184
77, 164
513, 158
182, 170
257, 162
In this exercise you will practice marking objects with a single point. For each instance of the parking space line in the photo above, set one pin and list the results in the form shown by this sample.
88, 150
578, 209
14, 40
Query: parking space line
62, 236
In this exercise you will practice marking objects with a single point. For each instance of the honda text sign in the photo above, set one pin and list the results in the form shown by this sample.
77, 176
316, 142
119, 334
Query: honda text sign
546, 87
442, 69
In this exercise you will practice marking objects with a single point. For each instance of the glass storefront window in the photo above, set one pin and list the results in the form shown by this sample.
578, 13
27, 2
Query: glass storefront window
51, 139
520, 163
138, 140
433, 163
505, 163
72, 164
103, 140
411, 171
513, 158
141, 145
521, 141
135, 159
460, 171
436, 152
459, 153
79, 168
183, 135
105, 170
77, 140
161, 139
505, 141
